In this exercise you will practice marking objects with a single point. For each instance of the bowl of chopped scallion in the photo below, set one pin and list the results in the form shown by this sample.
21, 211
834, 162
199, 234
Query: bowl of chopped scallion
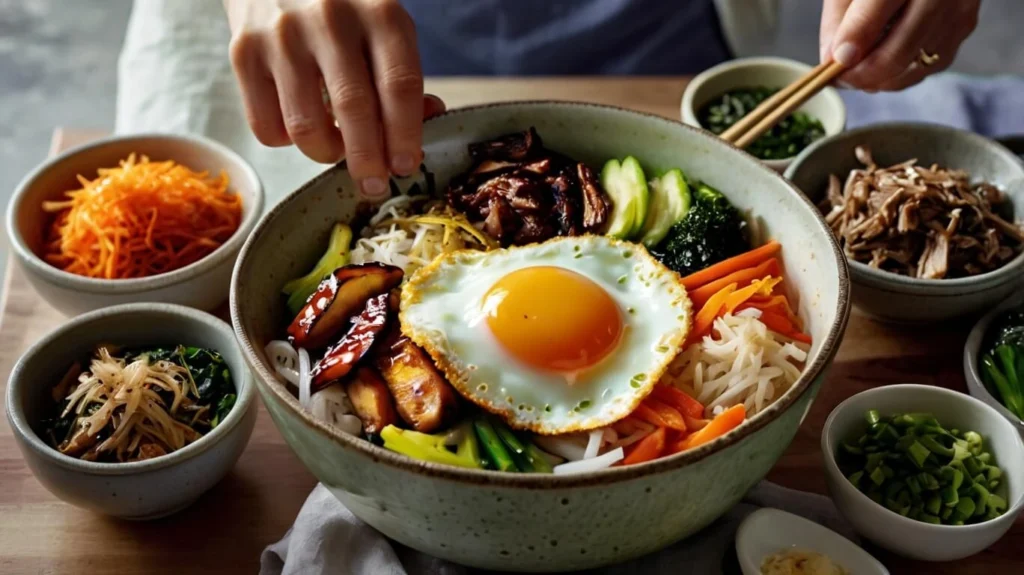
717, 98
923, 471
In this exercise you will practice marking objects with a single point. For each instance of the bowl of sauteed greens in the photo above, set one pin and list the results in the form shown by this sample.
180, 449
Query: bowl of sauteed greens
719, 97
117, 417
994, 360
926, 472
572, 315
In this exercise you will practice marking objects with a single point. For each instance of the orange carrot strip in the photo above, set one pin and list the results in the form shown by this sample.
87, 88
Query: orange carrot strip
645, 413
722, 423
672, 418
723, 268
769, 267
780, 324
647, 448
680, 399
762, 286
707, 314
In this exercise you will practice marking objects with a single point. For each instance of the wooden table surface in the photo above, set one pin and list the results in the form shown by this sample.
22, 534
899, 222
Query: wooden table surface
225, 531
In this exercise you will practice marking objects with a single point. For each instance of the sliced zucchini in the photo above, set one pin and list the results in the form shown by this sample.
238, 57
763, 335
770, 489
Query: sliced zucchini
627, 187
669, 203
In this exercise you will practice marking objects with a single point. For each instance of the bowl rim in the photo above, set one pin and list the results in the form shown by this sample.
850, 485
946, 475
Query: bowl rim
832, 468
68, 280
269, 383
688, 112
22, 428
896, 283
972, 347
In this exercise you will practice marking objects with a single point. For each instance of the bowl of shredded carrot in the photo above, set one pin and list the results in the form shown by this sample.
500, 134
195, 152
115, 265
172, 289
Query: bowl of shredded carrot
135, 218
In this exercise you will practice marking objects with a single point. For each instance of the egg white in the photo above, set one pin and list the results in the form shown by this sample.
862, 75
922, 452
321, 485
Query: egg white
441, 312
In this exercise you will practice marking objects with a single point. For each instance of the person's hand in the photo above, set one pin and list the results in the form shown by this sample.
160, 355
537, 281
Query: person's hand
893, 44
364, 53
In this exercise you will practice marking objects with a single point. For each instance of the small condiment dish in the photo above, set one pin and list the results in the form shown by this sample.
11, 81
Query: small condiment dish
972, 352
768, 531
202, 284
902, 535
892, 297
139, 489
827, 106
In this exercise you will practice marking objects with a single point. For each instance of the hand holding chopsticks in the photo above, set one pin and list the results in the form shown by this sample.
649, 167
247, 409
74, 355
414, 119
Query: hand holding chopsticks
781, 104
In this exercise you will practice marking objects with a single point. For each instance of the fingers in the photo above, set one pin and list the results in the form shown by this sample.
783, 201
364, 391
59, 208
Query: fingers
862, 25
259, 93
399, 83
832, 12
898, 50
432, 106
298, 79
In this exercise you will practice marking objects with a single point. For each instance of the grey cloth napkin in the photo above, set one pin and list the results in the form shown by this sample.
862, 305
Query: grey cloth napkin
328, 538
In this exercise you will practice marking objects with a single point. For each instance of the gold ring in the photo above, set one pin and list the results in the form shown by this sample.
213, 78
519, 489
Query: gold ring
927, 59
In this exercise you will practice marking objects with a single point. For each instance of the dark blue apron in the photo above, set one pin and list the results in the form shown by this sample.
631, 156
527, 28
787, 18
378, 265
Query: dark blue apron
564, 37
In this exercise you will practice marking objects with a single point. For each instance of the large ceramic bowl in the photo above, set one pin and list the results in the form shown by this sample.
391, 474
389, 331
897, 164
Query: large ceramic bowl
900, 299
534, 522
202, 284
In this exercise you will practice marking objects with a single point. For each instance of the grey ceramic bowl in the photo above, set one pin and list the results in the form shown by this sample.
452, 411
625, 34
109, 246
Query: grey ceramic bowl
536, 522
140, 489
972, 348
900, 299
202, 284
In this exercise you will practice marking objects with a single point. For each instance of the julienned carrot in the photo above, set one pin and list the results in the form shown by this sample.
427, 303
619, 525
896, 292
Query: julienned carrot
672, 418
757, 287
679, 399
647, 448
722, 423
769, 267
643, 412
776, 303
780, 324
707, 314
723, 268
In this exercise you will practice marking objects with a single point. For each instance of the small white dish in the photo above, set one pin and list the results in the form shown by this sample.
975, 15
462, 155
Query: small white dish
827, 106
972, 349
768, 531
902, 535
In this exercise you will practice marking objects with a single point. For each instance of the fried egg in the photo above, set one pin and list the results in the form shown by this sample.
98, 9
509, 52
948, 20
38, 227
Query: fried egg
566, 335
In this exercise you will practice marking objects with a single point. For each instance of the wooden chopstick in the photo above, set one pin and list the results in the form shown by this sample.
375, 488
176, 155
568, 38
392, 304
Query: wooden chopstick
781, 104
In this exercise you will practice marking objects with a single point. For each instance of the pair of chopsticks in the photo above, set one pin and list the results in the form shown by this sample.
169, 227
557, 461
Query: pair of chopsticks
781, 104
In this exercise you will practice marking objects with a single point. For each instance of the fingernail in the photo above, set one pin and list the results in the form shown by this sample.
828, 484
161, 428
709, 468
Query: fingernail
403, 164
845, 54
374, 188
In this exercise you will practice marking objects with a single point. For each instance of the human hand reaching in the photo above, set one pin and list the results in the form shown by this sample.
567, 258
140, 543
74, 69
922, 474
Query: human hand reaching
894, 44
363, 53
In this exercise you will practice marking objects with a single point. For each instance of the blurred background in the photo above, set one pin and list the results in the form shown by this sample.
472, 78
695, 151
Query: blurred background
58, 66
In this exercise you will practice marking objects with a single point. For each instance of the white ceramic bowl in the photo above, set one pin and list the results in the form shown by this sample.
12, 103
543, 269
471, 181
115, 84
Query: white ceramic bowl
896, 298
139, 489
827, 106
891, 530
972, 348
202, 284
768, 531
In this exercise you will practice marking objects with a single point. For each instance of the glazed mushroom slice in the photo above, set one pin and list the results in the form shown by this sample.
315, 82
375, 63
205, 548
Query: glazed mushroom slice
423, 398
341, 295
509, 148
595, 203
371, 399
356, 343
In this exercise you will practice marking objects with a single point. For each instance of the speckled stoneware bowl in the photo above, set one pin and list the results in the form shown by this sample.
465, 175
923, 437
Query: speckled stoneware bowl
202, 284
139, 489
900, 299
534, 522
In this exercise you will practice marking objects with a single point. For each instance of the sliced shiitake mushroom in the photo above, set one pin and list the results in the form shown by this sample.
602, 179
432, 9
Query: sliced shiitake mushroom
371, 400
423, 398
338, 297
357, 341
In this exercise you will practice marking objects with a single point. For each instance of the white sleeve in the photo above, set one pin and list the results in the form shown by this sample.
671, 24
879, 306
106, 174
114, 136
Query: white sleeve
749, 26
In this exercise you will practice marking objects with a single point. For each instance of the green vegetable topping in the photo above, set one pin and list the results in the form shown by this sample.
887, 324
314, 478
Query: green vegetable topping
787, 139
913, 466
426, 447
337, 255
711, 231
1002, 361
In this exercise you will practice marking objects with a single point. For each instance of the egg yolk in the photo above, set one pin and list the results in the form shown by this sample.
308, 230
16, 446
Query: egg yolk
553, 318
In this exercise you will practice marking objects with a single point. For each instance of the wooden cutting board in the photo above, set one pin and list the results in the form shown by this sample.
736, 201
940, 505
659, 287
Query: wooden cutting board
227, 529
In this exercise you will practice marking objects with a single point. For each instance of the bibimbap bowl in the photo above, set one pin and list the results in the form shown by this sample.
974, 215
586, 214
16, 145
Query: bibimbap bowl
529, 521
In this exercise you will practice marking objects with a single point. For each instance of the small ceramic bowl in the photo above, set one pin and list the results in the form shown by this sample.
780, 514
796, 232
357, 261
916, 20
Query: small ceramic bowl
900, 299
827, 106
972, 349
768, 531
202, 284
903, 535
139, 489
